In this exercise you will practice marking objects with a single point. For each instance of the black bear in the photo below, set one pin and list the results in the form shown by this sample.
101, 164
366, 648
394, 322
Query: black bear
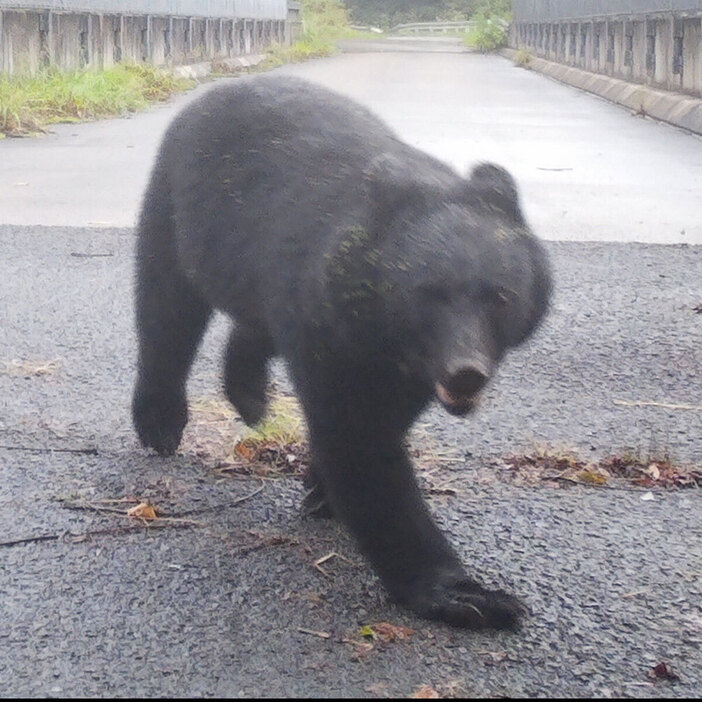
382, 277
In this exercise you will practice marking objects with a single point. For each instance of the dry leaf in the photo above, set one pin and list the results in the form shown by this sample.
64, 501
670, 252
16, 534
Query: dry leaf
425, 692
654, 471
663, 671
142, 511
245, 451
591, 477
367, 632
386, 632
391, 632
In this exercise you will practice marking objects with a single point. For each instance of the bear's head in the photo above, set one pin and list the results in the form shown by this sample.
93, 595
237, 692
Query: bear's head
458, 277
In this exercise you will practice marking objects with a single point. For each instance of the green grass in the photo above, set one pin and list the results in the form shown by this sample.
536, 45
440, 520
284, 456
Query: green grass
522, 58
30, 104
323, 21
283, 424
489, 33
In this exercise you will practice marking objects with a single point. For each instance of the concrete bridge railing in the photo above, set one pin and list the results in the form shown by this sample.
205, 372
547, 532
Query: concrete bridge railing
653, 42
73, 34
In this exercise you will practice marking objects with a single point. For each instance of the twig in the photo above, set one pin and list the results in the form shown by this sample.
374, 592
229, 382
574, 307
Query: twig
32, 539
565, 479
320, 634
42, 449
178, 516
324, 559
226, 505
112, 531
666, 405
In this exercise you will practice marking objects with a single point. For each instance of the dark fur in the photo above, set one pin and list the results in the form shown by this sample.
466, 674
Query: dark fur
373, 269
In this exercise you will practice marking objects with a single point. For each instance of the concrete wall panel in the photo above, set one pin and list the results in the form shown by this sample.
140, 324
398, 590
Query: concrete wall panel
46, 33
661, 49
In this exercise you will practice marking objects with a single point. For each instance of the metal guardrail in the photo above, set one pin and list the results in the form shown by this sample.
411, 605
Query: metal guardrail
250, 9
554, 10
432, 27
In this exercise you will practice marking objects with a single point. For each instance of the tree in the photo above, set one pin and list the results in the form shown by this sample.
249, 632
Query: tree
386, 13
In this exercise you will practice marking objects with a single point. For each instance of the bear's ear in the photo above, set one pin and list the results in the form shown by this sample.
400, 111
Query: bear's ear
392, 187
492, 186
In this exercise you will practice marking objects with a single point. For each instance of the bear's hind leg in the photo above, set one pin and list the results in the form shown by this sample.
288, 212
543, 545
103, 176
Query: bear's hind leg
245, 371
171, 317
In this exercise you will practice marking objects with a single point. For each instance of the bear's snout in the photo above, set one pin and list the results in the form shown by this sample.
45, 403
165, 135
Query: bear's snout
459, 391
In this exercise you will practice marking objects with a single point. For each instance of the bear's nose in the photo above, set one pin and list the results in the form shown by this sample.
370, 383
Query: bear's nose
458, 390
467, 375
467, 381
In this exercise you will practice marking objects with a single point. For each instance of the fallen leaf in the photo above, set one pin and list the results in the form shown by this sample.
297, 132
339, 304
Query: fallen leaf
386, 632
654, 471
243, 450
663, 671
367, 632
591, 477
425, 692
142, 511
391, 632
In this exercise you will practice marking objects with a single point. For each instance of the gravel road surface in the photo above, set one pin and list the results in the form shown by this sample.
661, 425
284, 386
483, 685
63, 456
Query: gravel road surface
217, 606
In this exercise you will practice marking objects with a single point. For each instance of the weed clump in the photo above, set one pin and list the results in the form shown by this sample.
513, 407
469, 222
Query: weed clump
28, 104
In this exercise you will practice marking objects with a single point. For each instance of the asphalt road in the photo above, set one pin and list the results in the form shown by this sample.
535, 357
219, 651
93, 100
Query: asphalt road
228, 601
589, 170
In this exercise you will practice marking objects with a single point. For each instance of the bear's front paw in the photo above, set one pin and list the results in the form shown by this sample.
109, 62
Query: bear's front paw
159, 420
460, 601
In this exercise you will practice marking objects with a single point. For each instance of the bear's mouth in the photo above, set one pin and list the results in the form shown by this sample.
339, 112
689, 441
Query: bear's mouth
458, 405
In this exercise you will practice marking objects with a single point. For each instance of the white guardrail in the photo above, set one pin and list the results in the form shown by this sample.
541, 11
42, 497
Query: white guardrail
432, 27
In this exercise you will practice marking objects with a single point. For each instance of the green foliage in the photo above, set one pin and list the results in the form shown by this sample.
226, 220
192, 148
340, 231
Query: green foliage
490, 33
522, 59
388, 13
323, 19
28, 104
283, 424
323, 22
494, 8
